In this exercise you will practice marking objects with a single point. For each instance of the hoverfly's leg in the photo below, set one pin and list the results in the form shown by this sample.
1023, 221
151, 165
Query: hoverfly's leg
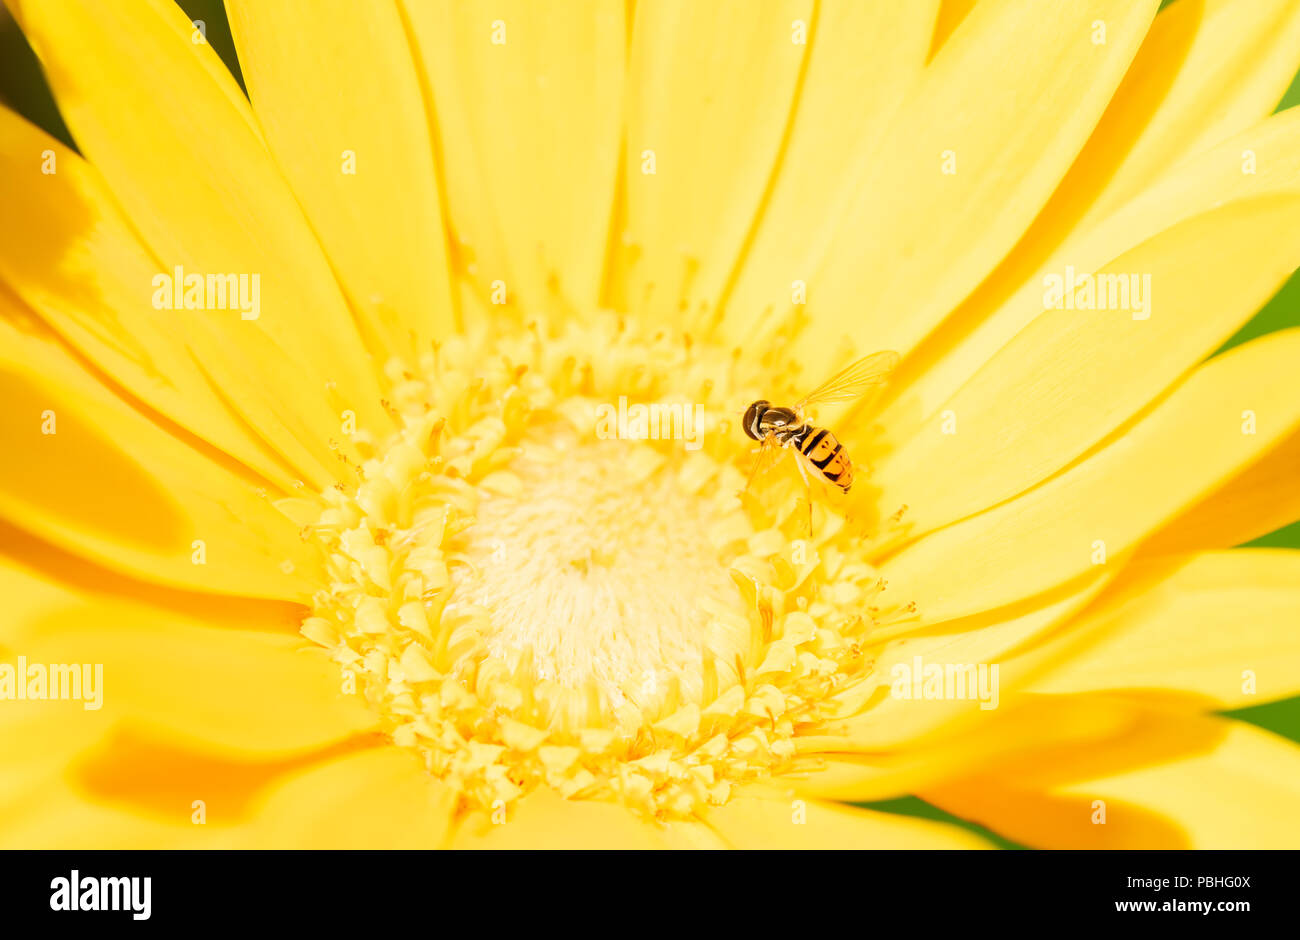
765, 452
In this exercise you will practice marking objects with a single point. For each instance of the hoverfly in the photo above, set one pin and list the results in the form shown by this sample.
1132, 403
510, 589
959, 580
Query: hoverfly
777, 427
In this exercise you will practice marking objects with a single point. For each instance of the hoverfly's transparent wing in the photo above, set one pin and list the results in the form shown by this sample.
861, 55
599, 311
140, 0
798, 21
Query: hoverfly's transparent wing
768, 452
850, 382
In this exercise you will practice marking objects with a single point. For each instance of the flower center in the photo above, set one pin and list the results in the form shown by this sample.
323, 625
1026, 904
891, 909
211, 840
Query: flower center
597, 577
533, 590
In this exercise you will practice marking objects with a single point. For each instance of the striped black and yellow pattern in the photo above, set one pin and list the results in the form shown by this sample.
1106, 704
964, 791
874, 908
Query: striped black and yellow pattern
828, 455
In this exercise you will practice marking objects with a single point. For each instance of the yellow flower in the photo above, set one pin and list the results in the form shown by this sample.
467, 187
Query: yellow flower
322, 442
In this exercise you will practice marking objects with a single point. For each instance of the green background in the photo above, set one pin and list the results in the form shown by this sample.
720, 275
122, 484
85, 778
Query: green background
23, 88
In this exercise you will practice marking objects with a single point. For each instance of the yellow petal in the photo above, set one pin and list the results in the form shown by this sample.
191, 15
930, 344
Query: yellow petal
98, 478
154, 777
795, 823
160, 117
59, 816
706, 123
1259, 501
863, 57
951, 13
1072, 376
1173, 456
133, 792
1004, 108
1020, 723
335, 90
238, 691
890, 709
527, 104
1014, 294
692, 834
1219, 626
1171, 782
542, 820
42, 738
1209, 69
379, 798
89, 278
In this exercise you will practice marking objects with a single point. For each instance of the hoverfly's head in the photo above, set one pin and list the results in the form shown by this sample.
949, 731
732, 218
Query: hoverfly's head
754, 415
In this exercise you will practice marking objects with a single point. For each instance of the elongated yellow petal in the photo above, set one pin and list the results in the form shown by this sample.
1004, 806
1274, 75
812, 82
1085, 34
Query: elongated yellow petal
1072, 376
863, 57
978, 147
1219, 626
892, 708
1173, 456
58, 816
706, 122
1171, 782
542, 820
1263, 160
158, 115
134, 791
335, 89
90, 279
154, 776
1261, 500
1020, 723
527, 101
795, 823
61, 570
378, 798
100, 479
237, 691
1208, 70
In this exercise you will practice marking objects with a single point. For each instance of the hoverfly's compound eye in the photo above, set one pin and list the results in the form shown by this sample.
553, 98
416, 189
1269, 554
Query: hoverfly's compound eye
753, 415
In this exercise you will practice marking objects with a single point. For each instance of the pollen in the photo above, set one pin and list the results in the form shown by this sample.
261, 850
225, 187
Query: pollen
530, 596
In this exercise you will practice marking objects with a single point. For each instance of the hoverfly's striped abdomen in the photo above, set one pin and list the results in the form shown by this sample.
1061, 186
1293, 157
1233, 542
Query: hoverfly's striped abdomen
828, 455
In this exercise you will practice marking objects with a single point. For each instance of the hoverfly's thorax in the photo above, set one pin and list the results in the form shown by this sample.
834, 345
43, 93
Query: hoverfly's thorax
782, 423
